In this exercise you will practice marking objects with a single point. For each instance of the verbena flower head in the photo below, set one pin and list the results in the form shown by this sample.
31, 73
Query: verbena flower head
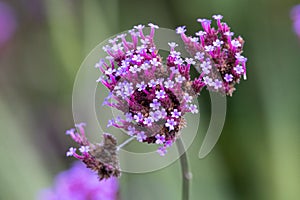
152, 96
79, 183
218, 55
101, 158
295, 16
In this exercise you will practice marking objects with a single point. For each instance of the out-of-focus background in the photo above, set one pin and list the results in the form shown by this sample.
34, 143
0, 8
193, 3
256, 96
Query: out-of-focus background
43, 42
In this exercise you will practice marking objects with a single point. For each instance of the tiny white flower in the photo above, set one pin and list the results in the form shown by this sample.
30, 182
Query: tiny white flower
180, 30
209, 48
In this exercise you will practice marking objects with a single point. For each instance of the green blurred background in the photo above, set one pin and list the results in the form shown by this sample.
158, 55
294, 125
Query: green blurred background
258, 154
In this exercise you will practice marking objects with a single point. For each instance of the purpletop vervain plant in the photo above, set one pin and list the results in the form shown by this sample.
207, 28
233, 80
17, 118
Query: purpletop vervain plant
220, 61
79, 183
152, 96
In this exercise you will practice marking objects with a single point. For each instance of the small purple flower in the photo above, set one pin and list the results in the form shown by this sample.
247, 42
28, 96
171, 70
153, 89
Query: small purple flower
163, 113
178, 61
228, 33
70, 131
207, 80
141, 86
240, 58
205, 67
138, 117
131, 130
71, 151
128, 117
218, 84
190, 61
134, 69
239, 69
193, 108
201, 33
169, 84
217, 17
160, 139
155, 62
180, 30
148, 121
187, 98
153, 25
84, 149
162, 150
145, 66
235, 43
228, 78
175, 113
199, 56
172, 45
168, 143
80, 183
218, 43
141, 136
194, 39
175, 54
209, 48
171, 123
180, 79
111, 122
160, 94
155, 104
152, 83
100, 63
139, 27
155, 115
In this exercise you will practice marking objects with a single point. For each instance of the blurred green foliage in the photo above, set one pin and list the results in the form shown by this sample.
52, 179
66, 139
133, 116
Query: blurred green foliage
258, 155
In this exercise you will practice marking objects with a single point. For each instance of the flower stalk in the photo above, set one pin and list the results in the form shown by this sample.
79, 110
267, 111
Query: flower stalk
125, 143
185, 172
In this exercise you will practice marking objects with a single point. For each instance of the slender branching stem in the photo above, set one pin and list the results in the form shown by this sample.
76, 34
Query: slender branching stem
124, 143
186, 174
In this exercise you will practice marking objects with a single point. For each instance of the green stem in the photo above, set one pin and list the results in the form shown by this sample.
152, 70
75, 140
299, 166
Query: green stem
186, 174
124, 143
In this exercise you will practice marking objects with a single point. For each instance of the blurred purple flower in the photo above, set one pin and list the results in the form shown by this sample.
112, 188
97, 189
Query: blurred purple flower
295, 16
79, 183
8, 23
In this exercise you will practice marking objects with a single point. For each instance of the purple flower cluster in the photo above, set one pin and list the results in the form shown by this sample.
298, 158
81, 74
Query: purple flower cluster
152, 96
79, 183
218, 55
101, 158
295, 16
